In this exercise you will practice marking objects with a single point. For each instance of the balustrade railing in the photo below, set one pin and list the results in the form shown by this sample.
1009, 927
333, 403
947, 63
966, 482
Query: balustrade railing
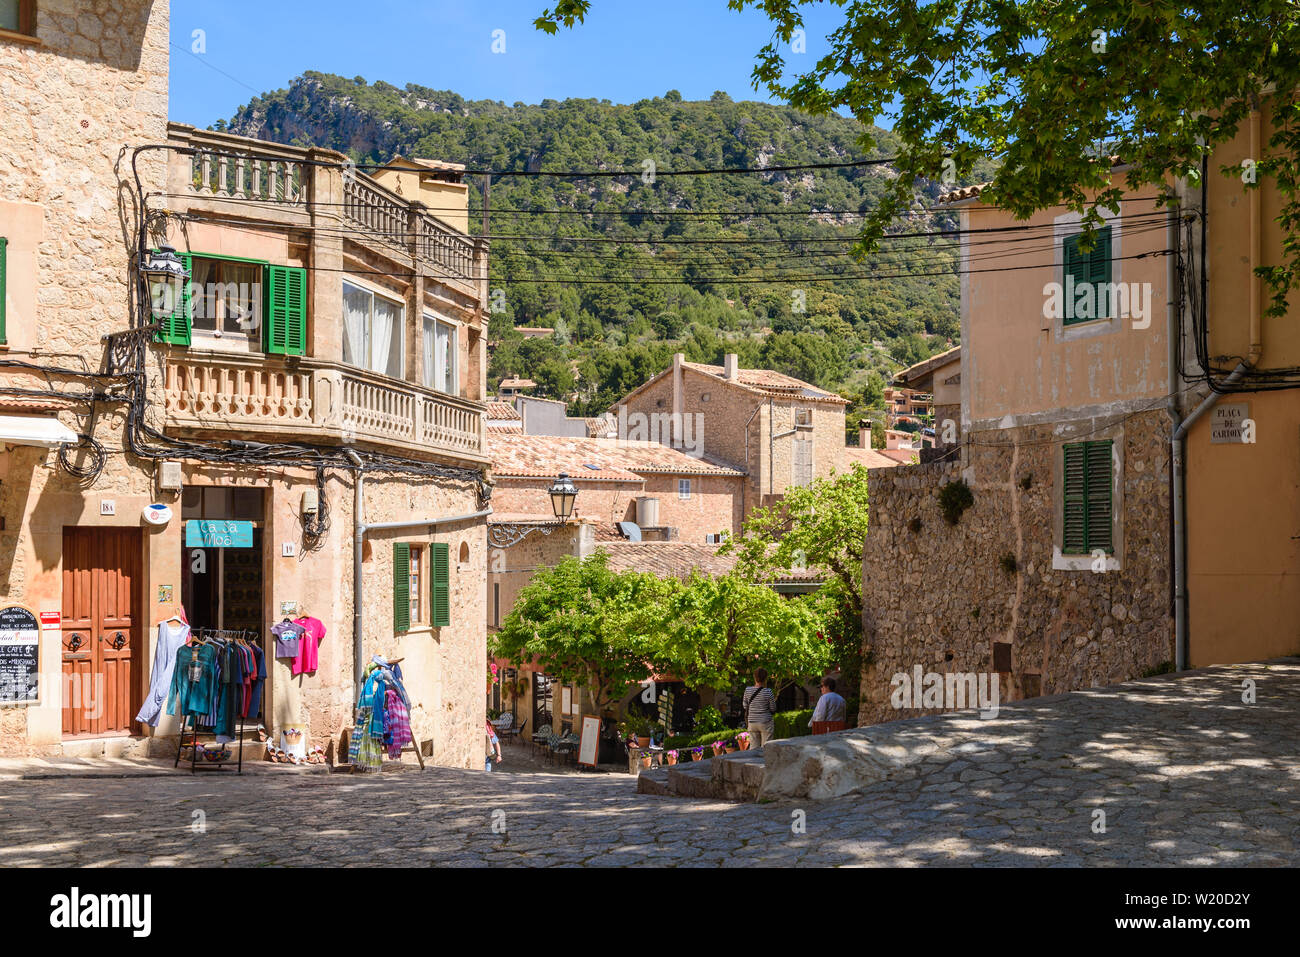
247, 176
308, 399
371, 207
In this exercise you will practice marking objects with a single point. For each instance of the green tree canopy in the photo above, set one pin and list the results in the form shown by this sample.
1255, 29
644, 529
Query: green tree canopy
714, 630
584, 624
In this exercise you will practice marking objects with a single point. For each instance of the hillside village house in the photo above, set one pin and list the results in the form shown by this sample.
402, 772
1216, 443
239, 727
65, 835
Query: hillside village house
780, 431
1058, 574
312, 395
939, 377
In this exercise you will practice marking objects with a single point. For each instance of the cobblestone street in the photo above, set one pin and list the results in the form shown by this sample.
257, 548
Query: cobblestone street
1185, 772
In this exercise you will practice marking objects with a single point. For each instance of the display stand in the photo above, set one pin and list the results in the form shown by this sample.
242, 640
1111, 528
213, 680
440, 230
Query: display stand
193, 719
345, 739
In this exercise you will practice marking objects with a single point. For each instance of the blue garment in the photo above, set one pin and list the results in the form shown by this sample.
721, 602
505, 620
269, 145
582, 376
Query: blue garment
372, 696
193, 687
259, 680
171, 636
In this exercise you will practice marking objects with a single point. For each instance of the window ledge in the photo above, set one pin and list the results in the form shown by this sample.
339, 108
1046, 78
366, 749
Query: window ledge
1081, 563
24, 38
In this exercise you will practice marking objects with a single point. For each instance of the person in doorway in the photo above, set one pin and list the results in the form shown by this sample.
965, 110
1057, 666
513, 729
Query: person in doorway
493, 746
830, 706
760, 710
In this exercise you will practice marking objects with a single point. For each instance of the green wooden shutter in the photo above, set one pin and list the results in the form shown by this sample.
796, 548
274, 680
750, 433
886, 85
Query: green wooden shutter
1098, 493
1074, 527
284, 327
175, 328
1099, 272
440, 577
1092, 268
401, 587
4, 251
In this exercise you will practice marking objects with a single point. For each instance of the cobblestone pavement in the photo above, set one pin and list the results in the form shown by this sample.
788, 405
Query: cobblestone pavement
1186, 773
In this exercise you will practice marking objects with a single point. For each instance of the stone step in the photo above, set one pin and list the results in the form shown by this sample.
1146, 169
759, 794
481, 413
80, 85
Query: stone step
730, 777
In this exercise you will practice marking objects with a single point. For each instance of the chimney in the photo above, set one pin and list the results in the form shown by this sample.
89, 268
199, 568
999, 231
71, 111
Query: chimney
675, 423
864, 434
731, 367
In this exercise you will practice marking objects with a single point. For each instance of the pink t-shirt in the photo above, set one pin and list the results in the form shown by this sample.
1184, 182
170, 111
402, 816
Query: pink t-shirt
313, 635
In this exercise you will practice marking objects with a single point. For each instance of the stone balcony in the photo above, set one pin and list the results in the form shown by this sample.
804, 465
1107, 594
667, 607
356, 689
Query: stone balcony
226, 395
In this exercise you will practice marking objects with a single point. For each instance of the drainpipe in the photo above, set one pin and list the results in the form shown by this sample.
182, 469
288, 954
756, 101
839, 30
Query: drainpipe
358, 536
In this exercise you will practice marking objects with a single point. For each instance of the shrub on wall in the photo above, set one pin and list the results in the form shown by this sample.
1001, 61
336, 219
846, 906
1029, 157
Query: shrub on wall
955, 498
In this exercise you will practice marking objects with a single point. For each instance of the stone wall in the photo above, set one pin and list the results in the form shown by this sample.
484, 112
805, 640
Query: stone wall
940, 597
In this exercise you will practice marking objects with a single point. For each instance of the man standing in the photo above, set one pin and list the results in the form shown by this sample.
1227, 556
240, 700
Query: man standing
830, 706
760, 710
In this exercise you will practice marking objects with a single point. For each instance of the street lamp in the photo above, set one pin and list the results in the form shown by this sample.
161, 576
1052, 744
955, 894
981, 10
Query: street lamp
164, 271
563, 493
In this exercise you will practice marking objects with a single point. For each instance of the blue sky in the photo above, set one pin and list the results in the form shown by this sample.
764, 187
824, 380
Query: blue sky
626, 51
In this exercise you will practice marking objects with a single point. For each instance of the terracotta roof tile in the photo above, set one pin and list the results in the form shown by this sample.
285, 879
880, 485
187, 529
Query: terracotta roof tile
769, 382
667, 559
497, 410
871, 458
547, 455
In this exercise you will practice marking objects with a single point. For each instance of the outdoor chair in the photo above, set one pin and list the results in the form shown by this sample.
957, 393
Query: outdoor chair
826, 727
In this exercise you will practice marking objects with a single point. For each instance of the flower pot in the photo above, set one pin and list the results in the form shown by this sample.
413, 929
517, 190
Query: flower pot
697, 755
743, 745
643, 743
672, 759
645, 760
717, 749
731, 748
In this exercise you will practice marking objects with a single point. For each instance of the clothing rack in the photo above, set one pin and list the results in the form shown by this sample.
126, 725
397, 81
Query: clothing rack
346, 736
226, 635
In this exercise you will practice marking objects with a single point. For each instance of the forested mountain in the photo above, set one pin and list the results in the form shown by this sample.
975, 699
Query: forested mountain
628, 272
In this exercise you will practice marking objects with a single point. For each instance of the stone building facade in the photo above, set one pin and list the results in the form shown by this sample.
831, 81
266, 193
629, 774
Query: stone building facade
271, 410
989, 594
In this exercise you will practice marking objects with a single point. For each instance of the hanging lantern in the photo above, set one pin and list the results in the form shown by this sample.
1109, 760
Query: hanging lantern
166, 275
563, 493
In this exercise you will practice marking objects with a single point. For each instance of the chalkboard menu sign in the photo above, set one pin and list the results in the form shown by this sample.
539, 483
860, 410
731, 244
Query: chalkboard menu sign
20, 643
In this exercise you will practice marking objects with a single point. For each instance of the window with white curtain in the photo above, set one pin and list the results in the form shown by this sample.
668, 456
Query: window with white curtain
440, 355
373, 331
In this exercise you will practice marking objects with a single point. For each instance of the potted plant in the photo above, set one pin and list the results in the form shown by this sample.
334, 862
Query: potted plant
718, 747
637, 728
672, 756
697, 753
742, 740
730, 746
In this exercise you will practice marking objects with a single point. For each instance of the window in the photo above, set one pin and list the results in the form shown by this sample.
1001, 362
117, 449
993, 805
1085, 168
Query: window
242, 305
4, 248
803, 419
496, 604
373, 331
1086, 515
440, 355
226, 303
18, 16
683, 488
416, 554
1087, 278
803, 462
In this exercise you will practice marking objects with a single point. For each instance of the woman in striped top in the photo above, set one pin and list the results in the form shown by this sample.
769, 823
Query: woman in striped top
760, 710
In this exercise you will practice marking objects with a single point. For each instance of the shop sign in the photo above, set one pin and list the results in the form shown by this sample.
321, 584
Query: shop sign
20, 663
206, 533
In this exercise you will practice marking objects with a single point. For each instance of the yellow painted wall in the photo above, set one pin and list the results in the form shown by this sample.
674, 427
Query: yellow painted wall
1016, 361
1243, 501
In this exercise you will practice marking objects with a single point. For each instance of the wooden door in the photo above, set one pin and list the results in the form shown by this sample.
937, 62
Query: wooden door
101, 631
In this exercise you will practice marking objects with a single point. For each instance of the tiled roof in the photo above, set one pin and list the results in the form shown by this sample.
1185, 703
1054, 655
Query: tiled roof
505, 427
871, 458
769, 382
502, 410
547, 455
667, 559
963, 193
922, 369
516, 384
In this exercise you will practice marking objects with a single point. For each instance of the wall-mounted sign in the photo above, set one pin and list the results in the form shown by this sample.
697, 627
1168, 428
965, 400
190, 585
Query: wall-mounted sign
20, 659
205, 533
107, 506
157, 514
1228, 423
164, 594
288, 549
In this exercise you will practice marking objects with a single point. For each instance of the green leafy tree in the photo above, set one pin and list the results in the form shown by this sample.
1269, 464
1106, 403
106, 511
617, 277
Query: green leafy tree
1051, 91
714, 630
823, 526
584, 624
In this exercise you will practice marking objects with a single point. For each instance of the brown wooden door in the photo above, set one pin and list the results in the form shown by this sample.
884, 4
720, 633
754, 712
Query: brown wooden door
101, 630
